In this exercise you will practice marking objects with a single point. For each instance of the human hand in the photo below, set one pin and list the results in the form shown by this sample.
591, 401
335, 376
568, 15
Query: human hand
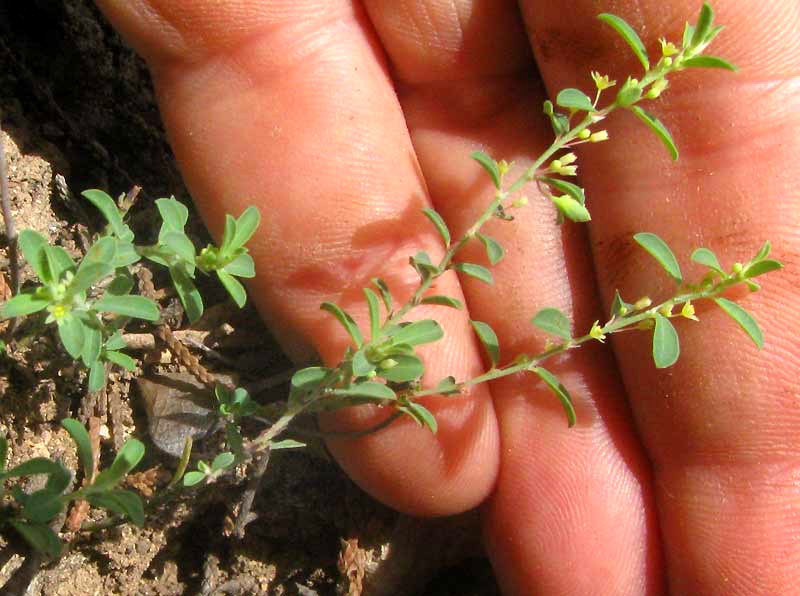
341, 122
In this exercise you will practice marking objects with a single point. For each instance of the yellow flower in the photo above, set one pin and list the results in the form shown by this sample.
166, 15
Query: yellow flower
597, 332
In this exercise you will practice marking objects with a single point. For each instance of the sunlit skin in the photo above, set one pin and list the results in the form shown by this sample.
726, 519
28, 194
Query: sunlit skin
341, 120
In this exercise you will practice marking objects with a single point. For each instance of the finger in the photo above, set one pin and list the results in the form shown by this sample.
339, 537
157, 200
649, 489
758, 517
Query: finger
465, 83
288, 106
721, 426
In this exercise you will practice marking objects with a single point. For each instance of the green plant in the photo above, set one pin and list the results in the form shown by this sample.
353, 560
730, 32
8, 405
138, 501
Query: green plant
90, 324
382, 365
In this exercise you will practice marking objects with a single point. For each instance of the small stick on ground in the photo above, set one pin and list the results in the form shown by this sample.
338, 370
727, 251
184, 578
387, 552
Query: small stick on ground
254, 482
8, 218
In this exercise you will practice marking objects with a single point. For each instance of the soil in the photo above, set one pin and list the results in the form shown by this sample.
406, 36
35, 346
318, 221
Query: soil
78, 112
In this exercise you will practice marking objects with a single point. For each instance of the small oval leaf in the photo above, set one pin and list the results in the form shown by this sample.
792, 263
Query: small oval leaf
666, 345
706, 257
81, 437
629, 35
407, 368
443, 301
743, 318
561, 392
130, 306
657, 127
574, 99
708, 62
494, 251
346, 320
661, 253
553, 321
762, 267
476, 271
489, 340
417, 333
489, 165
438, 222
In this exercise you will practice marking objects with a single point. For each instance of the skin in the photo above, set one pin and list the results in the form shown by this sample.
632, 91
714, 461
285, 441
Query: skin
341, 120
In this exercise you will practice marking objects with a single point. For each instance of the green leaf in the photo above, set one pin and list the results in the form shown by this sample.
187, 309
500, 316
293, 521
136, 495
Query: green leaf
121, 359
222, 461
706, 257
42, 506
116, 341
443, 301
476, 271
125, 254
629, 35
36, 465
87, 275
70, 330
489, 165
40, 536
23, 304
703, 25
661, 253
421, 262
574, 99
192, 478
97, 376
346, 320
242, 266
373, 303
309, 378
92, 342
246, 226
494, 251
234, 287
688, 32
489, 340
708, 62
127, 458
286, 444
174, 214
572, 209
366, 389
763, 253
361, 365
305, 381
407, 368
234, 439
187, 292
421, 414
32, 246
417, 333
666, 345
101, 251
139, 307
743, 318
110, 211
438, 222
386, 295
179, 244
226, 246
553, 321
81, 437
448, 386
573, 190
3, 453
618, 306
661, 131
762, 267
120, 501
59, 261
561, 392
